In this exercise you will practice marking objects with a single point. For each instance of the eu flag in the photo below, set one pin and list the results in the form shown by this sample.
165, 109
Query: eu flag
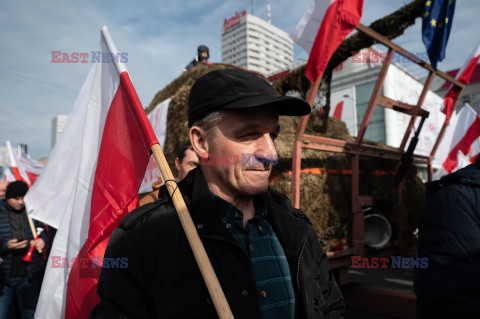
437, 22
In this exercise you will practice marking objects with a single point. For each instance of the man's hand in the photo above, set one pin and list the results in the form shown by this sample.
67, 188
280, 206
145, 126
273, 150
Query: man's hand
15, 244
39, 244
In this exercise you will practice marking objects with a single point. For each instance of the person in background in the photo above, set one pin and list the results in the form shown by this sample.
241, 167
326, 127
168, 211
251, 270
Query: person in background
449, 240
202, 57
3, 188
17, 276
186, 161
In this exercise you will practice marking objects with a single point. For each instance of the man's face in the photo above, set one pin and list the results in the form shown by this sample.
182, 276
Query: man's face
189, 162
247, 135
16, 203
3, 189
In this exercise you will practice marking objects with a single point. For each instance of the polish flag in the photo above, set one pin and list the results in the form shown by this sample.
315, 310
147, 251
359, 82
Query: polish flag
17, 167
158, 120
462, 136
325, 24
90, 183
32, 167
8, 175
463, 75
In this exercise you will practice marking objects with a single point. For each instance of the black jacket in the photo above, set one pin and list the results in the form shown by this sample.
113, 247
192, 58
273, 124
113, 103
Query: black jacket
162, 279
450, 238
35, 268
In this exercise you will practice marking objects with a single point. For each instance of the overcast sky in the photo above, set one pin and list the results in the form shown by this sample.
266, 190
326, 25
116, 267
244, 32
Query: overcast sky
160, 38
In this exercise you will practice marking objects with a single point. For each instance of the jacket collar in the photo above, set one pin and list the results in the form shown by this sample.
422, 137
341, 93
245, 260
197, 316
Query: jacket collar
290, 229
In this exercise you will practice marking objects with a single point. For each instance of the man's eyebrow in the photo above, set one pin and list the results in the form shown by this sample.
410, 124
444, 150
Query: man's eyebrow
246, 127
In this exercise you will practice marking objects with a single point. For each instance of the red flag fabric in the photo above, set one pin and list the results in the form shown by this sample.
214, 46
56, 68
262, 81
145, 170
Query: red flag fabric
331, 21
338, 111
97, 167
461, 142
122, 160
463, 75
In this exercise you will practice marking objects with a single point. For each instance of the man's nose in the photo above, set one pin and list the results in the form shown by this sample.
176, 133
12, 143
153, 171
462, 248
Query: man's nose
266, 149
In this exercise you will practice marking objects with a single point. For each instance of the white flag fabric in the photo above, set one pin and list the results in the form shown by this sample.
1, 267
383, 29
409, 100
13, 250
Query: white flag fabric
90, 183
158, 120
462, 161
8, 175
32, 167
307, 28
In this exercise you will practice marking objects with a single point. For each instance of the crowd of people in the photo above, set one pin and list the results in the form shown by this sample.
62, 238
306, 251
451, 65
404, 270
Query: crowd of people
266, 254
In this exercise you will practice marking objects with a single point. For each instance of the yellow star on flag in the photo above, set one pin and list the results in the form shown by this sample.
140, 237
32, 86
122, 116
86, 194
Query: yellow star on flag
426, 14
428, 3
433, 22
446, 20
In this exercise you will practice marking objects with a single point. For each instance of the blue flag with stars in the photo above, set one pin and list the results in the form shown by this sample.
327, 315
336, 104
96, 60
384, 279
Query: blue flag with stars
437, 22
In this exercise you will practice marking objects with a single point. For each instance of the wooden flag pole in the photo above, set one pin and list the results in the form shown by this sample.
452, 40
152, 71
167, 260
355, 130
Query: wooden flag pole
32, 228
211, 280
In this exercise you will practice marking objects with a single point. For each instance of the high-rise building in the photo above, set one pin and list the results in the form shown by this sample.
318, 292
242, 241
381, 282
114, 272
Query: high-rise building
58, 123
254, 44
4, 158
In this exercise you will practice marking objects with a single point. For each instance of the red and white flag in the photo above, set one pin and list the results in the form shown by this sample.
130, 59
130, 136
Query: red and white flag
17, 167
90, 183
325, 24
8, 175
32, 167
461, 140
463, 75
158, 120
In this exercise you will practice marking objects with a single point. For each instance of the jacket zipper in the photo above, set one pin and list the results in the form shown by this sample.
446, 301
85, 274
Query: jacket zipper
220, 238
298, 264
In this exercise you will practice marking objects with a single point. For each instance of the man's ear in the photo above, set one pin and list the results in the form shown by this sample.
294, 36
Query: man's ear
177, 164
199, 143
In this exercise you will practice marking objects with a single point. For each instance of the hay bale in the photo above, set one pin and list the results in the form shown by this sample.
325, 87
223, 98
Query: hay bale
325, 193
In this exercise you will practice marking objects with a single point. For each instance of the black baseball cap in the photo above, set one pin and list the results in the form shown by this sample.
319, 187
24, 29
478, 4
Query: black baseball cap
237, 89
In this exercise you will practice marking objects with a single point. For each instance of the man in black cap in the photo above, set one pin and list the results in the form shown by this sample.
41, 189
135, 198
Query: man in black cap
17, 276
265, 253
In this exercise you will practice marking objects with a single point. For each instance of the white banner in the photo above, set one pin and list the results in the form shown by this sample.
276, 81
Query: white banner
402, 87
342, 107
